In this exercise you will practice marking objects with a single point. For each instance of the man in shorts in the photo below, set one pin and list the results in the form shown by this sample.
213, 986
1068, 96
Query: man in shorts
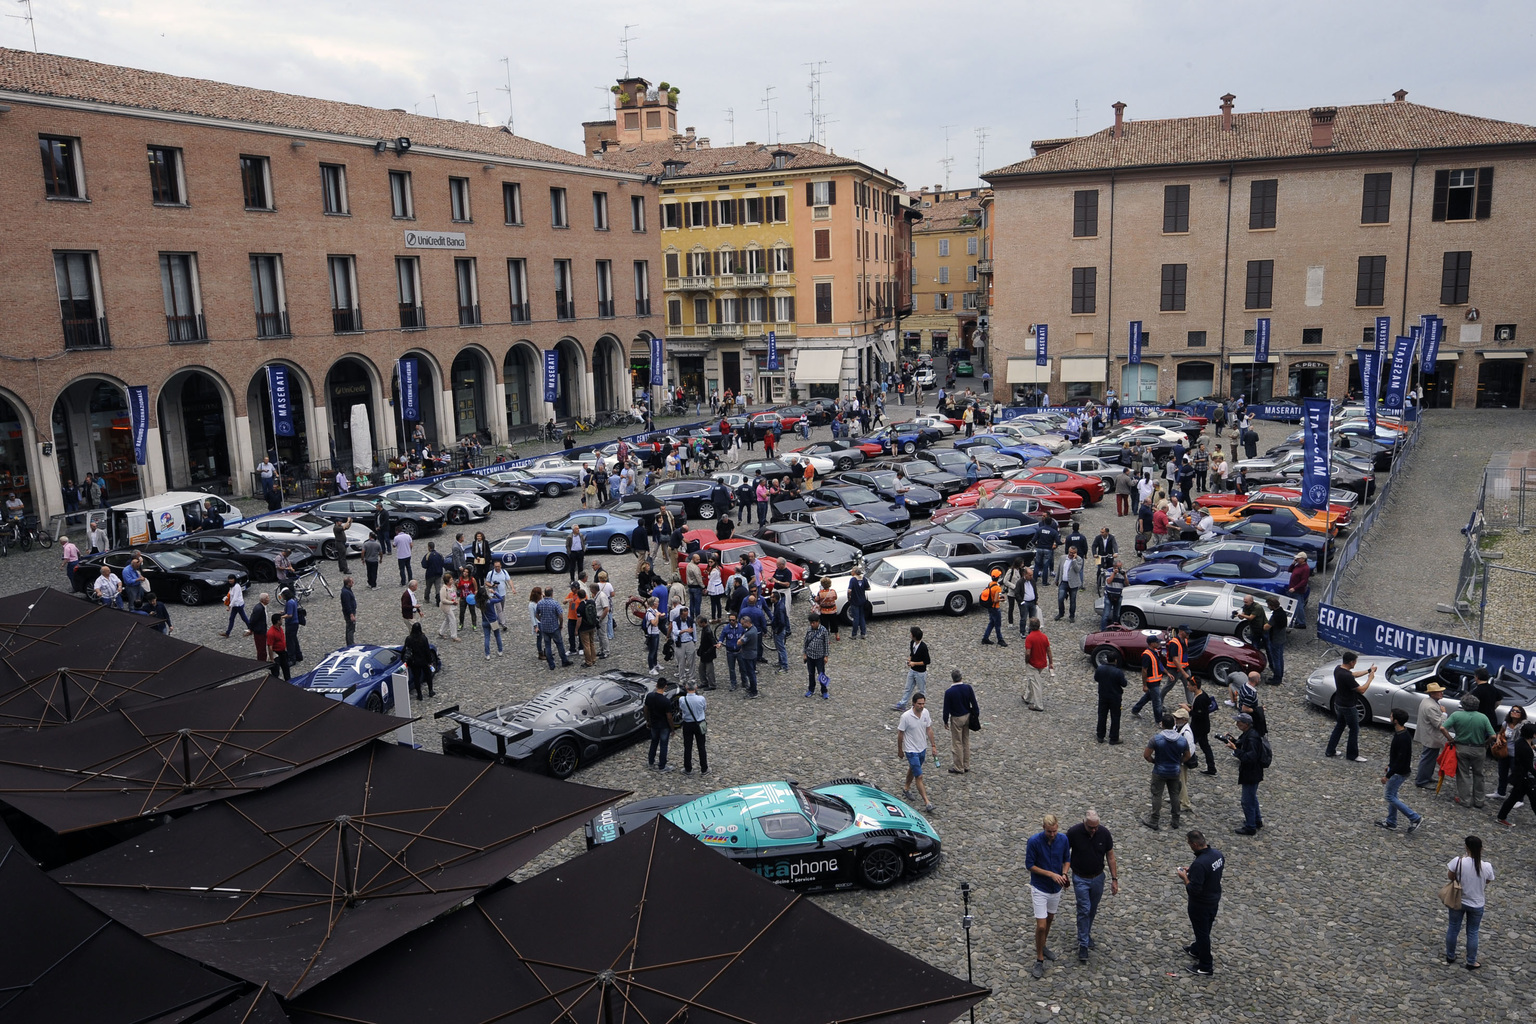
914, 737
1045, 858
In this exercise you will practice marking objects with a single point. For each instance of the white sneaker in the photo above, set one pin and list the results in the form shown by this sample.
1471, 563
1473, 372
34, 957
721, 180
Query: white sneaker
1362, 759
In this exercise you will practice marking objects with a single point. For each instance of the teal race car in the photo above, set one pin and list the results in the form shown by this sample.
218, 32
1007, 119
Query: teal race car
835, 836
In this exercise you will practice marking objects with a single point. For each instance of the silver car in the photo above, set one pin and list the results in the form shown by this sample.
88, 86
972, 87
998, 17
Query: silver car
314, 533
458, 506
1204, 606
1400, 683
1088, 465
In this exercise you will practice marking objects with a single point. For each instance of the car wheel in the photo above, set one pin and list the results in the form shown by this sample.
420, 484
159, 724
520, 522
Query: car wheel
563, 758
618, 544
374, 703
408, 527
706, 511
1365, 710
1222, 668
551, 490
957, 603
1132, 618
328, 550
1248, 635
1087, 497
458, 515
845, 464
555, 563
1106, 655
908, 447
880, 868
511, 503
191, 595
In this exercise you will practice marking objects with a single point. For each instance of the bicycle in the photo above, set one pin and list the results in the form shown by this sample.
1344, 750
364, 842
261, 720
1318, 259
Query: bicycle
584, 427
551, 433
634, 610
304, 583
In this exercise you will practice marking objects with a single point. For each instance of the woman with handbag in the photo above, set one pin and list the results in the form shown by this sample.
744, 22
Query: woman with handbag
480, 555
1503, 745
1522, 773
450, 627
1463, 895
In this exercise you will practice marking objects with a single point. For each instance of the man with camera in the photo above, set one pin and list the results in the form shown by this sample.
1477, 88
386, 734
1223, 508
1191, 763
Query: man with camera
1252, 753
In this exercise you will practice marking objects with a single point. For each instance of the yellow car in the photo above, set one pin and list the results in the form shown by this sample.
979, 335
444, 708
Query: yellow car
1317, 522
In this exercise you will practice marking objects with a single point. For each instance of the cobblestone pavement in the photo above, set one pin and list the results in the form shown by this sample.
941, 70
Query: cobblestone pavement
1325, 917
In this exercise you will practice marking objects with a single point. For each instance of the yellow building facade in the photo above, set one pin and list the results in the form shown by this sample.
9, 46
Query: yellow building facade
948, 249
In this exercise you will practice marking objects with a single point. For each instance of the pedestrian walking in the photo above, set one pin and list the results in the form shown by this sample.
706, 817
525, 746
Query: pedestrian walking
914, 738
492, 624
402, 546
410, 604
858, 603
826, 606
348, 600
418, 661
1346, 705
293, 618
1472, 733
277, 644
1522, 774
480, 555
1275, 625
549, 617
587, 620
373, 553
962, 715
1046, 858
1111, 682
992, 601
468, 597
1429, 733
1069, 582
71, 556
695, 718
1251, 748
449, 590
1399, 760
659, 717
1092, 846
751, 649
1115, 582
1472, 875
604, 601
1202, 887
1124, 488
432, 566
1037, 662
234, 597
259, 626
1503, 746
1201, 706
1299, 587
576, 552
1191, 758
1166, 752
917, 668
1152, 677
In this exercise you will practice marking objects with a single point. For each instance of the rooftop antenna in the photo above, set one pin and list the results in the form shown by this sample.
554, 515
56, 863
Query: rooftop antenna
508, 90
948, 161
730, 119
981, 150
818, 113
479, 116
435, 111
606, 104
767, 108
31, 24
1077, 115
778, 133
624, 41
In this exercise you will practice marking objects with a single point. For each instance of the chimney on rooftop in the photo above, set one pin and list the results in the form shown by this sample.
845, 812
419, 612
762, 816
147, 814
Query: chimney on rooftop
1226, 112
1401, 96
1119, 118
1322, 126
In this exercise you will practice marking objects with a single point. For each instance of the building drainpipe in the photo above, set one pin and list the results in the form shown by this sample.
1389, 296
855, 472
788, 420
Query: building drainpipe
1109, 297
1226, 271
1408, 241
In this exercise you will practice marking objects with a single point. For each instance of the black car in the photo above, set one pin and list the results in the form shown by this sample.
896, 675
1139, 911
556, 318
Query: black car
921, 500
1014, 526
256, 554
820, 411
847, 527
925, 474
172, 574
506, 494
861, 500
961, 551
559, 730
415, 520
690, 495
551, 483
646, 506
844, 455
955, 463
803, 543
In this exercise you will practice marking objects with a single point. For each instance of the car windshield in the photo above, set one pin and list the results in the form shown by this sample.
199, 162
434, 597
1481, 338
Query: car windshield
858, 496
1407, 671
798, 535
515, 543
950, 458
884, 479
828, 812
1194, 564
174, 559
835, 517
883, 575
242, 542
312, 522
964, 521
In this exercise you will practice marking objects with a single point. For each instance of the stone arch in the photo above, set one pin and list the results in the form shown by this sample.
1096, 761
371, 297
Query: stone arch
429, 391
472, 382
21, 468
90, 425
196, 414
610, 376
353, 380
573, 380
522, 377
309, 439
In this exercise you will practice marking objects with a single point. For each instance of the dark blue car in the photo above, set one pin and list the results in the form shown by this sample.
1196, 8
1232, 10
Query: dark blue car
1007, 445
365, 676
1244, 567
550, 484
893, 441
863, 501
1282, 532
1005, 524
600, 528
887, 482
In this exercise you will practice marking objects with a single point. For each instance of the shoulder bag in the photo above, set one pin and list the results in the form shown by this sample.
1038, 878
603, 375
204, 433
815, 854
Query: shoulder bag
1450, 892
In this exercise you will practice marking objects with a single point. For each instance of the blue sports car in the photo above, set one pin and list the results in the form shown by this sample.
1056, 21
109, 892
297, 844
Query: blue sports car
532, 549
601, 529
365, 676
1183, 550
893, 441
551, 484
1243, 567
1007, 445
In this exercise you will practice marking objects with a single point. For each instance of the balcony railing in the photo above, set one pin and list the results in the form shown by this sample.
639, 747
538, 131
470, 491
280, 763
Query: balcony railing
564, 310
748, 280
642, 307
783, 280
469, 316
272, 325
521, 314
983, 266
186, 328
728, 330
346, 321
412, 317
605, 309
88, 332
696, 284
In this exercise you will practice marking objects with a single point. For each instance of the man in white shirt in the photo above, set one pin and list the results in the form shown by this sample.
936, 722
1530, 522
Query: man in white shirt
236, 606
267, 472
342, 486
402, 544
499, 578
914, 735
1207, 526
109, 589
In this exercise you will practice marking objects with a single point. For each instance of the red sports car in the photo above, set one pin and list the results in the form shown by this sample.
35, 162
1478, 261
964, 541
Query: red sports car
974, 493
1031, 489
730, 552
1029, 506
1211, 655
1089, 488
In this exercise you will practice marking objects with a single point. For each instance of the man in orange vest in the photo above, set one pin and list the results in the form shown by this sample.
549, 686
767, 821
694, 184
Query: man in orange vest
1151, 678
1176, 660
992, 601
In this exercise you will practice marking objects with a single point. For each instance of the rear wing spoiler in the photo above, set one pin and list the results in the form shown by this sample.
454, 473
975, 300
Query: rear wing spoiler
504, 734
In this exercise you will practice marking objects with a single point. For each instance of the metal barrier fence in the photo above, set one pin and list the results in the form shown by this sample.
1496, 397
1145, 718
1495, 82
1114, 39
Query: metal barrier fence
1360, 535
1512, 592
1506, 495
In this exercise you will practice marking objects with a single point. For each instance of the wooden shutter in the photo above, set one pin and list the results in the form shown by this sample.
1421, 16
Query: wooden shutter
789, 261
823, 244
1442, 193
672, 264
792, 309
741, 210
719, 311
1484, 193
831, 193
810, 194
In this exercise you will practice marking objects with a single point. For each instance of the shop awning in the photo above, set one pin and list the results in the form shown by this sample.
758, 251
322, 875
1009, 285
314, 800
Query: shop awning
1500, 355
1084, 369
819, 366
1443, 356
1024, 371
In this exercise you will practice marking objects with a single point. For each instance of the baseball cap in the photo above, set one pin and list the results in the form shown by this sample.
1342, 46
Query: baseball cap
1244, 717
1182, 627
997, 573
1181, 713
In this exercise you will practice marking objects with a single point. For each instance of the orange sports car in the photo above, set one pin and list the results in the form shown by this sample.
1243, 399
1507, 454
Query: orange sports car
1317, 522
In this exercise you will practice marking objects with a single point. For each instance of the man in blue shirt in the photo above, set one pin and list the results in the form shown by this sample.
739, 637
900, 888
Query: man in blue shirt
1166, 752
730, 639
550, 615
1045, 858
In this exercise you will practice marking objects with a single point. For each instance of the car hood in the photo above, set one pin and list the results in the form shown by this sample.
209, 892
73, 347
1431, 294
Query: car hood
864, 532
825, 549
882, 513
724, 818
875, 809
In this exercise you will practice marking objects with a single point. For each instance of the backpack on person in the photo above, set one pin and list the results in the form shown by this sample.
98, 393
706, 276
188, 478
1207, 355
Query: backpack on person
1266, 753
586, 611
991, 596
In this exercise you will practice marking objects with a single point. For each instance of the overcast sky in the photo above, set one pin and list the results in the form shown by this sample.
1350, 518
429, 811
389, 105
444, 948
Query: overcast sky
895, 74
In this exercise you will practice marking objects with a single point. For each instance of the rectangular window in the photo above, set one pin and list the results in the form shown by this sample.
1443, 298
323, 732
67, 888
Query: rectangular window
943, 300
605, 288
821, 193
725, 212
1085, 283
600, 211
512, 202
1175, 277
1261, 284
62, 177
913, 275
1175, 209
970, 247
728, 311
408, 289
784, 309
165, 180
467, 284
698, 214
267, 295
1085, 213
517, 284
559, 216
783, 260
1456, 279
401, 203
725, 262
671, 215
1376, 199
701, 312
753, 261
565, 291
637, 213
757, 309
1463, 194
345, 314
699, 264
183, 305
1371, 281
823, 302
823, 244
333, 188
75, 273
642, 288
672, 262
752, 210
674, 312
256, 182
943, 275
943, 247
777, 209
458, 200
1311, 335
970, 273
1261, 203
968, 300
1196, 339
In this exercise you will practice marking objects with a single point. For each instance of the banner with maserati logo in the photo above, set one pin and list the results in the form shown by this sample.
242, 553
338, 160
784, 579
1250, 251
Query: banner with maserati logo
1042, 345
1316, 464
1370, 385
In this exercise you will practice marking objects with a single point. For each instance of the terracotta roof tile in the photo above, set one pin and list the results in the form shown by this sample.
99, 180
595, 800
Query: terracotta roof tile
948, 217
46, 74
648, 157
1274, 134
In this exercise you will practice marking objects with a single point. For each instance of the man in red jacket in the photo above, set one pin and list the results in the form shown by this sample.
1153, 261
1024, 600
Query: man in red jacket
1299, 587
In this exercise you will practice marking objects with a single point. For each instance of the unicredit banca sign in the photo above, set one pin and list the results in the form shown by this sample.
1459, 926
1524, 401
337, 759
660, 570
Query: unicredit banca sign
435, 240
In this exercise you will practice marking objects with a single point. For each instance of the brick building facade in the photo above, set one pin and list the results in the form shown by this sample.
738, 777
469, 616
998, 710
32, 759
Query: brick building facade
1321, 220
184, 235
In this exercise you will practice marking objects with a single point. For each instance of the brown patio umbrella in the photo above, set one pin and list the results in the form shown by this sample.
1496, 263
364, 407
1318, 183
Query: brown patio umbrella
257, 1006
653, 927
62, 660
188, 750
291, 884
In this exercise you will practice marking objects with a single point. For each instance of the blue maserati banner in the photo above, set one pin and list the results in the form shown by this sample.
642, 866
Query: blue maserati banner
1042, 345
1134, 356
658, 362
282, 400
1316, 463
1381, 639
138, 415
1397, 373
1261, 340
410, 397
1433, 328
1383, 335
773, 350
551, 374
1370, 386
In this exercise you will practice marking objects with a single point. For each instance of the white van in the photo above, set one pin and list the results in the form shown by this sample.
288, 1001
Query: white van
163, 517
